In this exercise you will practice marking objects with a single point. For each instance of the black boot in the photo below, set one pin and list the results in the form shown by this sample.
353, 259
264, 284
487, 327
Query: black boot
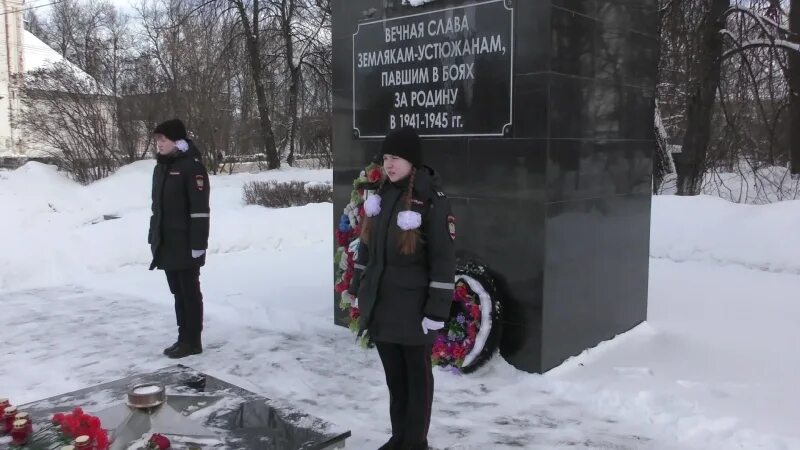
185, 350
418, 446
172, 347
392, 444
177, 343
188, 348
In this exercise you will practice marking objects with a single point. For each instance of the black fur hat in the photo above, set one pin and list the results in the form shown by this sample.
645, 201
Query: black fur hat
174, 130
404, 143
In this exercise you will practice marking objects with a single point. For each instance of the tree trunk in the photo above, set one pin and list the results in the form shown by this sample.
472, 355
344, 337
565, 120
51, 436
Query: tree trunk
661, 161
294, 89
794, 88
251, 38
293, 67
690, 164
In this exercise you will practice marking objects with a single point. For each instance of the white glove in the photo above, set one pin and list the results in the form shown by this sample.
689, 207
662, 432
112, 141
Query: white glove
197, 253
431, 325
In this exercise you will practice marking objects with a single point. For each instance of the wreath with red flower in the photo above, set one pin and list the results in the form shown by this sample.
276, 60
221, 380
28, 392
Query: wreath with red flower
472, 335
347, 240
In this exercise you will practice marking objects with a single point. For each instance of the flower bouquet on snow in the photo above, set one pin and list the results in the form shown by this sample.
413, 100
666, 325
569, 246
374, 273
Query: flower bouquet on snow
77, 428
79, 424
158, 442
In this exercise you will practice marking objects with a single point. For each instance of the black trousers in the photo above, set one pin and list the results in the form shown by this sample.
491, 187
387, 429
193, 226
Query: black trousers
185, 286
409, 376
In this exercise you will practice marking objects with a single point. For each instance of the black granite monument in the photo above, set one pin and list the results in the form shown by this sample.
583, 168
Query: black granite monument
539, 116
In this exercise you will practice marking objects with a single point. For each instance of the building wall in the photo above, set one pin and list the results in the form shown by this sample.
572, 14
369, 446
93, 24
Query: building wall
11, 63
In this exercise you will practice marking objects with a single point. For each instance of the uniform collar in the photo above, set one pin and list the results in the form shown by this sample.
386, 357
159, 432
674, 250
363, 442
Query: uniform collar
174, 156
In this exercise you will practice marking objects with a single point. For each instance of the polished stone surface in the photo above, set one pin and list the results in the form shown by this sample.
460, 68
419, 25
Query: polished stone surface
216, 413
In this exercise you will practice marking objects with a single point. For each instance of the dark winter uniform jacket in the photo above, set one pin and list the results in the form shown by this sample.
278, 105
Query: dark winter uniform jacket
180, 220
396, 291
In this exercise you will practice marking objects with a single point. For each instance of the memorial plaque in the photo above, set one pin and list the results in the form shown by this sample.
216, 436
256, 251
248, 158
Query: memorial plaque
447, 72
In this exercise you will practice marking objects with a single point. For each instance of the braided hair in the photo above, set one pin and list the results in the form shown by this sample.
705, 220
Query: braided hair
408, 238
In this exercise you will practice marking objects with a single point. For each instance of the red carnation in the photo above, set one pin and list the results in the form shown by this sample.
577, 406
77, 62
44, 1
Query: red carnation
101, 440
341, 238
461, 292
68, 425
354, 313
158, 442
459, 352
374, 175
475, 310
346, 279
94, 422
58, 418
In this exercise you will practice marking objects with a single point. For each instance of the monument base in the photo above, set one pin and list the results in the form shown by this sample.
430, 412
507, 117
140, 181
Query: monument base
230, 416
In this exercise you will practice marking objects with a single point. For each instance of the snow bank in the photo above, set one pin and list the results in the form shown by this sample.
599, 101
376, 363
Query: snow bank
710, 370
54, 230
709, 229
711, 367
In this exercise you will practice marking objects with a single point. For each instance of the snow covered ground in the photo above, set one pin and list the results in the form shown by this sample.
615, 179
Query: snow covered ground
715, 367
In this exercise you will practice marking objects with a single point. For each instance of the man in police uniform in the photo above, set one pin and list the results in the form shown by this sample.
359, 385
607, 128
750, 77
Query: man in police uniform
179, 225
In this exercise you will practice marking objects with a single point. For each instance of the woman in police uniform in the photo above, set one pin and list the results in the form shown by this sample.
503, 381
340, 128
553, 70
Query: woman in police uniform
405, 269
179, 226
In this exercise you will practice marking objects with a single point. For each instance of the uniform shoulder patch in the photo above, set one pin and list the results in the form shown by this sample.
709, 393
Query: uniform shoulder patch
199, 182
440, 194
451, 226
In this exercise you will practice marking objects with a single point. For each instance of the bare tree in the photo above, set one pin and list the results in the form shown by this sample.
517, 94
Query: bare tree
250, 77
34, 24
70, 117
704, 79
739, 130
81, 32
301, 23
250, 16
